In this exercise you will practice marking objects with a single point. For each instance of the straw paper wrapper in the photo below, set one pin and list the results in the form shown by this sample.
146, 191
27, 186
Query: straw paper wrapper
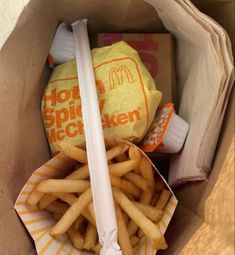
39, 222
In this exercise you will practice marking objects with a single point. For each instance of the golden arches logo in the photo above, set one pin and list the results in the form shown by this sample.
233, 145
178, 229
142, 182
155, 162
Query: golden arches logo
117, 76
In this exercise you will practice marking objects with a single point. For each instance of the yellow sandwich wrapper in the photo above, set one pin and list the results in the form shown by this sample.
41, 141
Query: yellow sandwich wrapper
128, 97
39, 222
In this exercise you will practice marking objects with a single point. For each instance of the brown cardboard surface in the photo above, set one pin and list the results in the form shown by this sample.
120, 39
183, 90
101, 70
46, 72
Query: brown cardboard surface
217, 232
157, 53
200, 191
24, 146
183, 226
130, 16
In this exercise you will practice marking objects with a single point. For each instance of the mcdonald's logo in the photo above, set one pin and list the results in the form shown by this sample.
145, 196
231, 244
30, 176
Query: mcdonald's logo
117, 76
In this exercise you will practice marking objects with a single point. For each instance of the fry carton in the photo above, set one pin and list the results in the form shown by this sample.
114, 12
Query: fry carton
39, 222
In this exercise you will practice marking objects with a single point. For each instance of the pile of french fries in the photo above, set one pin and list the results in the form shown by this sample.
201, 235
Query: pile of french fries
140, 197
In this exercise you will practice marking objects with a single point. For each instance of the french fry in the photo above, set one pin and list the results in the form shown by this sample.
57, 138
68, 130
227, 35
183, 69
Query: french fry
49, 198
71, 199
66, 197
88, 216
46, 200
34, 197
140, 233
135, 154
146, 170
121, 157
130, 196
72, 213
83, 172
76, 238
72, 152
91, 210
150, 229
159, 246
78, 222
126, 217
146, 197
161, 204
62, 185
123, 237
110, 142
132, 227
90, 237
164, 197
122, 168
151, 212
116, 151
97, 248
32, 208
159, 184
57, 207
155, 198
125, 185
134, 241
137, 180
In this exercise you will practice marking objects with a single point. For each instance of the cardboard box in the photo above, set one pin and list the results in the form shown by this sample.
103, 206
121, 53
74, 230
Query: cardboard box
204, 219
157, 53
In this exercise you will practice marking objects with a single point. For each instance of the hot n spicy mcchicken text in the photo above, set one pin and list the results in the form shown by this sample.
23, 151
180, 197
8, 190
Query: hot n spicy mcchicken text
128, 98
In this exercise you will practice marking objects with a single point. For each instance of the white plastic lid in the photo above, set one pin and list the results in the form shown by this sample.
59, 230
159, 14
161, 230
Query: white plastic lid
62, 48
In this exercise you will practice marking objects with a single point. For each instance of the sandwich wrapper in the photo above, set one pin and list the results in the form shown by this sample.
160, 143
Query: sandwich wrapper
39, 222
156, 51
128, 97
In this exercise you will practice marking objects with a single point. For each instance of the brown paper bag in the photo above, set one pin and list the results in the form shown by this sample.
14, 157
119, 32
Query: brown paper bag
27, 31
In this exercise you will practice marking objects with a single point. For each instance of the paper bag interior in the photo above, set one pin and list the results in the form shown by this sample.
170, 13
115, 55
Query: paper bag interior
198, 221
